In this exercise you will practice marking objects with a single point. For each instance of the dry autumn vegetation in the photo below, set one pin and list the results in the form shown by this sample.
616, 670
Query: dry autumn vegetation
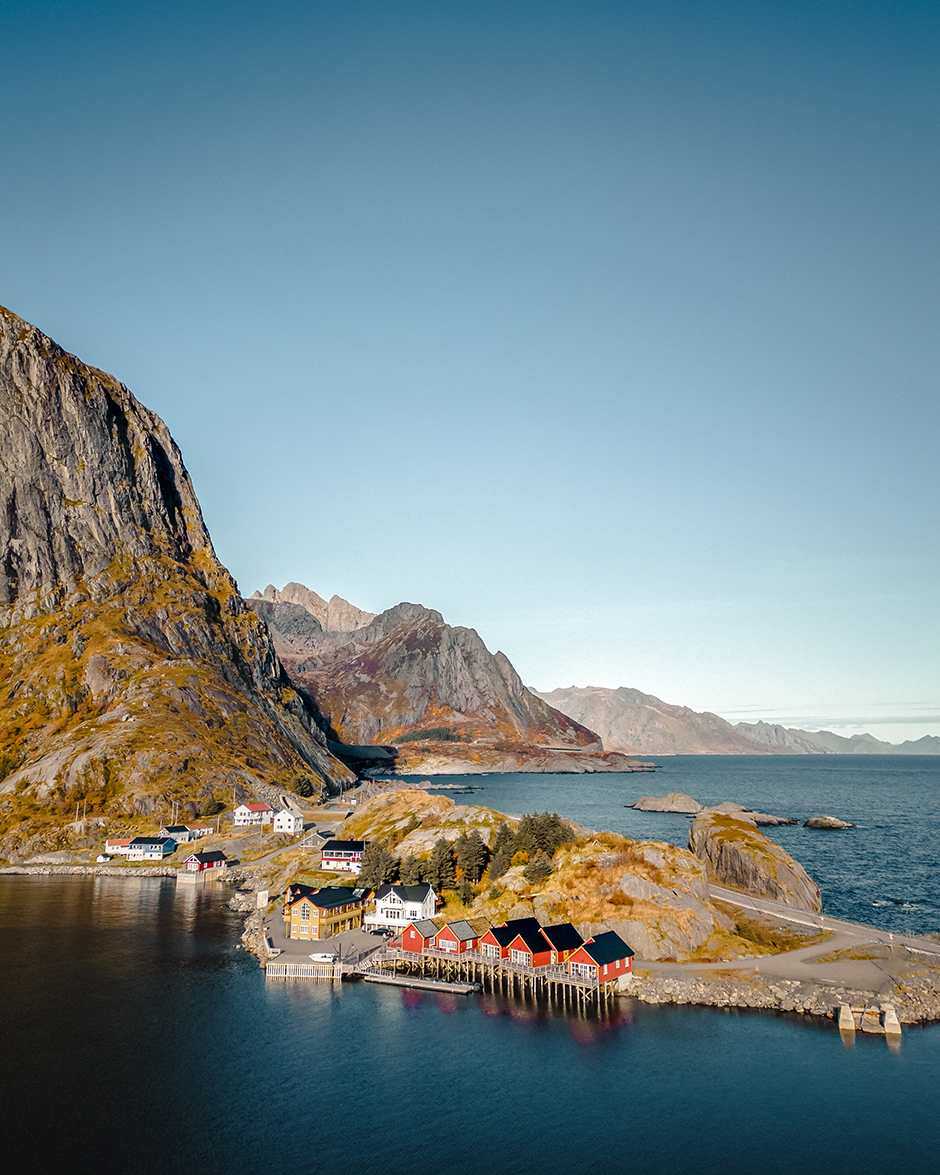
653, 894
131, 673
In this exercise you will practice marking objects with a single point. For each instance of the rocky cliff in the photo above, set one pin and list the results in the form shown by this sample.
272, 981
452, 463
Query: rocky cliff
131, 673
335, 615
409, 679
639, 723
737, 855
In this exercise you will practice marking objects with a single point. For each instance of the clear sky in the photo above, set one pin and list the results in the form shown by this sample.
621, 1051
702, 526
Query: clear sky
608, 329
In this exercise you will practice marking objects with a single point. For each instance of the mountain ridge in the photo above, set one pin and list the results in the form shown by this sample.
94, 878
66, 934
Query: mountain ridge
131, 673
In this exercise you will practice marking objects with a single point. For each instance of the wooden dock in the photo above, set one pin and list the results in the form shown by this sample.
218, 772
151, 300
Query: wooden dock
494, 975
420, 982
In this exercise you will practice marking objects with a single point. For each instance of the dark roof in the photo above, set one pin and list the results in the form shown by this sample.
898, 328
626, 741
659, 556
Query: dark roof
425, 927
563, 937
505, 934
208, 857
462, 931
344, 846
407, 893
532, 937
607, 948
152, 840
324, 899
171, 828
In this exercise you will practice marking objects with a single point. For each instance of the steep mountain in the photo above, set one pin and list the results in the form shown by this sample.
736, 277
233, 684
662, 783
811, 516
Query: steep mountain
131, 673
639, 723
409, 679
337, 615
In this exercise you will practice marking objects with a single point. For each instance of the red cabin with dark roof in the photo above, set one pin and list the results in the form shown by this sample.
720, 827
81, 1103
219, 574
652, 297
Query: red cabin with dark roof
603, 958
494, 944
530, 947
563, 939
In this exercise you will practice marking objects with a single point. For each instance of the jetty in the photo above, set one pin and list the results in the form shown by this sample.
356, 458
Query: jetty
471, 971
419, 982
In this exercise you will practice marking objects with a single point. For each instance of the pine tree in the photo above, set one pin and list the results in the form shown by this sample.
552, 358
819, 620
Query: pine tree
499, 862
477, 856
538, 869
441, 870
378, 865
412, 870
503, 838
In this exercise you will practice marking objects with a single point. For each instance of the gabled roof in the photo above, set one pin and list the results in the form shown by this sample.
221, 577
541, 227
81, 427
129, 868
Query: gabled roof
407, 893
563, 937
117, 840
531, 937
607, 948
258, 807
197, 827
343, 846
207, 858
152, 840
462, 931
506, 933
425, 927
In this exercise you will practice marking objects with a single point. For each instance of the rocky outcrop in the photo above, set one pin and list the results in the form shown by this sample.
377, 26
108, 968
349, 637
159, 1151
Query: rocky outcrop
130, 670
434, 691
639, 723
737, 855
672, 801
337, 615
827, 822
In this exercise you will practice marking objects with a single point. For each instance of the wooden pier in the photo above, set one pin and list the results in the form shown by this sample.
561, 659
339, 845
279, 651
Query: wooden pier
298, 970
499, 976
419, 982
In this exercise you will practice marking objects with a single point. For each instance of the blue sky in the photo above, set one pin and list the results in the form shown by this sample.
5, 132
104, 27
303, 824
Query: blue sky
609, 330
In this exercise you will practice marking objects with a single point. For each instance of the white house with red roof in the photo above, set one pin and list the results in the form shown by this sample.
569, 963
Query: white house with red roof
255, 813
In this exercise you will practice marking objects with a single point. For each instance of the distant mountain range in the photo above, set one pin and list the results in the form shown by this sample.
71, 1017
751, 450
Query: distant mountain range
641, 724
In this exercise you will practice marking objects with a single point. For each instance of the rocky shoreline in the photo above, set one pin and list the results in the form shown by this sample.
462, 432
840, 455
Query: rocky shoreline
917, 999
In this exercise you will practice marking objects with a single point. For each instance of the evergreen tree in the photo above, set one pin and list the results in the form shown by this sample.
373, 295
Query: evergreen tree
466, 893
441, 869
378, 865
503, 838
472, 855
499, 862
538, 869
412, 870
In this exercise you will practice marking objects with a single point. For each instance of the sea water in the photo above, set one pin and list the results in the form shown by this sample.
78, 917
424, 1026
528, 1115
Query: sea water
136, 1036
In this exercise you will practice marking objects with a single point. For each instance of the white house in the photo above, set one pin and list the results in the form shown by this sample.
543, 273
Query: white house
342, 856
286, 821
397, 905
117, 846
198, 830
151, 848
246, 814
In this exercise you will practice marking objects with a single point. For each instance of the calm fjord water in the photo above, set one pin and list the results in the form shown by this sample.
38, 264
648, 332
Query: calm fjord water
137, 1037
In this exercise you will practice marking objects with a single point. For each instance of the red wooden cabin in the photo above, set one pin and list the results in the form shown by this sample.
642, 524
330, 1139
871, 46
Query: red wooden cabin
604, 958
494, 944
418, 936
457, 938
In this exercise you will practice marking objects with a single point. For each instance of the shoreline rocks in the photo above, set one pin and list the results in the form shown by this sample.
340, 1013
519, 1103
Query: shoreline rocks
671, 802
826, 822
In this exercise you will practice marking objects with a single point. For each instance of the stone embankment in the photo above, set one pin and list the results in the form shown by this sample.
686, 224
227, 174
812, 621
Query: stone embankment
916, 998
95, 870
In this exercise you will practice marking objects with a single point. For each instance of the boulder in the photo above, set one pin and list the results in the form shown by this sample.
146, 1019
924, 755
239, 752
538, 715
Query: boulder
736, 854
827, 822
671, 802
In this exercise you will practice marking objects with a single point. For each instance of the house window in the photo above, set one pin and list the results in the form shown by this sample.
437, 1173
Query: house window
305, 912
519, 956
489, 951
